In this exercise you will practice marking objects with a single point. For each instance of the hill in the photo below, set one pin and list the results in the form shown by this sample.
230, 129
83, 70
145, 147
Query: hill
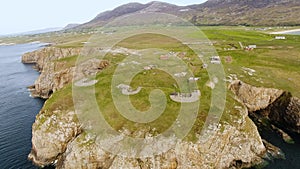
250, 12
70, 26
132, 8
215, 12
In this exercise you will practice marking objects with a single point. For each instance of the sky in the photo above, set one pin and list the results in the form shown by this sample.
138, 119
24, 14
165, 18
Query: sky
26, 15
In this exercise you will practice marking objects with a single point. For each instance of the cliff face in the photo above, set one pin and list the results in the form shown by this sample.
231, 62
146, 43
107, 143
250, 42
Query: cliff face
254, 98
285, 112
55, 72
50, 80
44, 56
279, 106
51, 134
229, 147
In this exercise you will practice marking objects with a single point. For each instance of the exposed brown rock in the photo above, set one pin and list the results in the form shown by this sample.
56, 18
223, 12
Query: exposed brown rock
273, 151
54, 74
50, 136
284, 112
287, 138
219, 151
44, 56
254, 98
279, 106
84, 153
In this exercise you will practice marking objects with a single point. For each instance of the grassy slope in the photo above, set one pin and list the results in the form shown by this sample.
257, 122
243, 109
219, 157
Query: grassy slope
158, 78
277, 62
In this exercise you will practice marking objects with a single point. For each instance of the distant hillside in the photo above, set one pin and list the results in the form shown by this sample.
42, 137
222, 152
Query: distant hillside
70, 26
131, 8
247, 12
34, 32
215, 12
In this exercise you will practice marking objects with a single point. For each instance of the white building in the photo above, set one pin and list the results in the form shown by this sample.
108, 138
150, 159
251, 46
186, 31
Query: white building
215, 60
280, 37
252, 46
182, 74
194, 78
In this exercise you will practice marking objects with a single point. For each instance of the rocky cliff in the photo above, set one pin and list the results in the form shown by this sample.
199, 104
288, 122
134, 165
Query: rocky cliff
69, 147
231, 148
50, 80
57, 72
280, 107
44, 56
51, 134
254, 98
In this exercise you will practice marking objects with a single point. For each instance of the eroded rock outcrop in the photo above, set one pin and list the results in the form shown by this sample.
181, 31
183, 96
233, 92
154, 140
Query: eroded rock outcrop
277, 105
228, 146
254, 98
223, 150
83, 152
51, 135
57, 73
46, 55
285, 112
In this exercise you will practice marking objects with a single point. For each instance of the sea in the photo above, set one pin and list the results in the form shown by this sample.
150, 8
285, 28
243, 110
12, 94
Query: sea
291, 151
293, 33
17, 108
18, 111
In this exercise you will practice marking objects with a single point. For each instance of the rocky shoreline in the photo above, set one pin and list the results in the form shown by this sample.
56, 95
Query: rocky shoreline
279, 107
59, 139
54, 74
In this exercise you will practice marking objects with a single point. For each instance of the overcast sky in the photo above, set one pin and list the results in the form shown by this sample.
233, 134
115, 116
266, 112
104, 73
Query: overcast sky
26, 15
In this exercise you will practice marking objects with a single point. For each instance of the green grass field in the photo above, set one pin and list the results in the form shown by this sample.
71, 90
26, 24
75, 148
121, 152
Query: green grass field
277, 62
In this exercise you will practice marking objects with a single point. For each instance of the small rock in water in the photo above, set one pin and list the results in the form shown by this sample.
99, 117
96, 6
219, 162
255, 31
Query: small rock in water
284, 135
273, 151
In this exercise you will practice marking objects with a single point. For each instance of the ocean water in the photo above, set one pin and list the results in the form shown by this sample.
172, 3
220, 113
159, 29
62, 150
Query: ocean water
291, 151
293, 33
17, 109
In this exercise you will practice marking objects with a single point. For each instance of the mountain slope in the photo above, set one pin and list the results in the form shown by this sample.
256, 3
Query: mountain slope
70, 26
131, 8
250, 12
215, 12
